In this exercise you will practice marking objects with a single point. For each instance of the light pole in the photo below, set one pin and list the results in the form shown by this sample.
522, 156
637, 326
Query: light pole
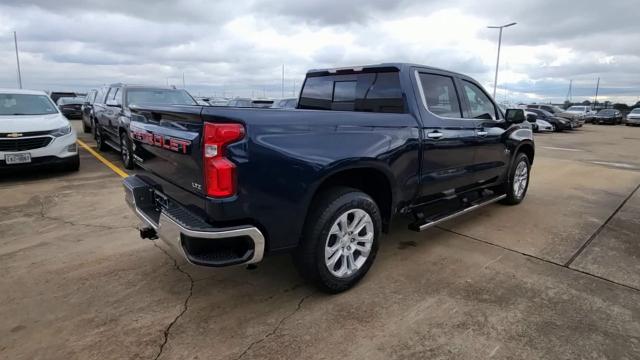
15, 41
495, 80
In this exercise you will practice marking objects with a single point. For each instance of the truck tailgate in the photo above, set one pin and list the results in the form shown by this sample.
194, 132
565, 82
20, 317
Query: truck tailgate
167, 146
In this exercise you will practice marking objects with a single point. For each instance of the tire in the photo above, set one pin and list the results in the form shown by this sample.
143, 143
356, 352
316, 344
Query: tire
516, 174
100, 144
85, 128
72, 164
554, 128
323, 232
126, 151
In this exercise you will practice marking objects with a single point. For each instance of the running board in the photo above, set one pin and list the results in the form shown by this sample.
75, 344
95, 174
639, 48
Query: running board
437, 220
113, 145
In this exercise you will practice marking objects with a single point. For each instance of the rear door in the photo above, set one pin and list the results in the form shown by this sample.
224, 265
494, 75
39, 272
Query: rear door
447, 137
112, 112
491, 157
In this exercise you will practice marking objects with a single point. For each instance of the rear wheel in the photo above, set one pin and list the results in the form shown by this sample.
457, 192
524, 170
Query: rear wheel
340, 240
126, 150
517, 181
85, 127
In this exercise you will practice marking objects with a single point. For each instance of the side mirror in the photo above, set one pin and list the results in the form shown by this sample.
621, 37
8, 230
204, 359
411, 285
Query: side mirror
532, 117
515, 116
112, 102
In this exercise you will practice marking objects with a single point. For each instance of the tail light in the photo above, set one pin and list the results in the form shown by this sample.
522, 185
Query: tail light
219, 172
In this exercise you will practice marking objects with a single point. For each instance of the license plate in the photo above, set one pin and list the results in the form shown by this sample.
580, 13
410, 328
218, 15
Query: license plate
20, 158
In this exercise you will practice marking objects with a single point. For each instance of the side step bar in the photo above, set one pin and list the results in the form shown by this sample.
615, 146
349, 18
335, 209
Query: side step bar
437, 220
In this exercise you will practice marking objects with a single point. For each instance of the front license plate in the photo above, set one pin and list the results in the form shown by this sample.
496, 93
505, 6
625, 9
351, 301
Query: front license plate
20, 158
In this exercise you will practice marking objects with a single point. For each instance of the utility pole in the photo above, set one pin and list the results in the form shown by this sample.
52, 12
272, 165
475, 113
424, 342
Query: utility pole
495, 80
184, 87
595, 102
282, 93
569, 94
15, 41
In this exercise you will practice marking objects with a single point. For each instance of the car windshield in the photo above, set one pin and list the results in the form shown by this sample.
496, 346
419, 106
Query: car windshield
67, 100
576, 108
635, 111
606, 112
159, 97
26, 104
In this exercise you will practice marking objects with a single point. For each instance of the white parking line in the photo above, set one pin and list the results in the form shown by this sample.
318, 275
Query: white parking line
559, 148
615, 164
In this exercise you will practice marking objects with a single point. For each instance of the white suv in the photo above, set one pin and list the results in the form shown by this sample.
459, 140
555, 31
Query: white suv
34, 132
584, 112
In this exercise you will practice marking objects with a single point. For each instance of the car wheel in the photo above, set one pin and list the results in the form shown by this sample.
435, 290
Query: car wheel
100, 144
554, 128
126, 150
85, 128
73, 164
517, 181
340, 240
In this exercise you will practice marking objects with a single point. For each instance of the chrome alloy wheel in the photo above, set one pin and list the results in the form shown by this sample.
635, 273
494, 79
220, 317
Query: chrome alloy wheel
349, 243
520, 179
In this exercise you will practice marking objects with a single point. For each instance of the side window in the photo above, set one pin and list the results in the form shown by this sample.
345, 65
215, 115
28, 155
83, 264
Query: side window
480, 105
440, 95
380, 92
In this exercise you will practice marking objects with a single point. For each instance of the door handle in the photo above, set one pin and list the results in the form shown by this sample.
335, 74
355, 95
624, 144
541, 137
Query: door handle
435, 135
482, 133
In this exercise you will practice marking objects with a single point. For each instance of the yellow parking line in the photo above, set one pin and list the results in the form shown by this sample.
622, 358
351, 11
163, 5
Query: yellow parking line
109, 164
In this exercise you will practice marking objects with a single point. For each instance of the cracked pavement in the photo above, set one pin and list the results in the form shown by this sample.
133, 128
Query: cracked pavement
78, 283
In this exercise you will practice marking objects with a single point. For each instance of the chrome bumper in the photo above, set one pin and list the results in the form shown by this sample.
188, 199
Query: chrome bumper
172, 232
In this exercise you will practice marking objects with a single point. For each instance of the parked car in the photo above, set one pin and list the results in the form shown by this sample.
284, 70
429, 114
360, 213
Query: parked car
582, 111
544, 126
55, 95
71, 107
608, 116
575, 120
113, 114
633, 118
291, 103
33, 132
557, 123
87, 111
228, 186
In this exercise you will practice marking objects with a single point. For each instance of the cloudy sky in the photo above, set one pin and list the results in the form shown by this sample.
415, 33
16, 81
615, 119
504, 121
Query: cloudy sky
237, 48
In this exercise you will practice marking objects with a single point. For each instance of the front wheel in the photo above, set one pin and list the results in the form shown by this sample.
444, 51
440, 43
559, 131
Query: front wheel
100, 144
518, 180
340, 239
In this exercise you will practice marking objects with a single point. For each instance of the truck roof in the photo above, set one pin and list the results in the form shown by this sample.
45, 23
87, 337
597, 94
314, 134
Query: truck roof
396, 66
22, 91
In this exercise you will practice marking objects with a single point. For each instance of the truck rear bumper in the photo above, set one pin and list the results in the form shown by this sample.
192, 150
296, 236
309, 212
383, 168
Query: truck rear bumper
190, 236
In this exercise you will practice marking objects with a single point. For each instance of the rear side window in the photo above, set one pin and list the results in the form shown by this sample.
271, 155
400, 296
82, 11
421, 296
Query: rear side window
480, 107
369, 92
100, 96
440, 95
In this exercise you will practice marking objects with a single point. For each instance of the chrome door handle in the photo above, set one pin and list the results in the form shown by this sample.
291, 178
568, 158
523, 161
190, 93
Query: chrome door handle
482, 133
435, 135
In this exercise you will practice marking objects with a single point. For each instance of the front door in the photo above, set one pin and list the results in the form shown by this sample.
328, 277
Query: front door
491, 158
447, 138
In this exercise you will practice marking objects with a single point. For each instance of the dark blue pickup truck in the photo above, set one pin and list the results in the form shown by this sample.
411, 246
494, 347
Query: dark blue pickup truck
228, 186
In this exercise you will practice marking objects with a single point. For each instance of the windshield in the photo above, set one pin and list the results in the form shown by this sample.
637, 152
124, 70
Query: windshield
576, 108
26, 104
67, 100
606, 112
159, 97
635, 111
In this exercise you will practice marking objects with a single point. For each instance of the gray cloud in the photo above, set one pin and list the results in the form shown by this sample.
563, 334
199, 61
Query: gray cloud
239, 46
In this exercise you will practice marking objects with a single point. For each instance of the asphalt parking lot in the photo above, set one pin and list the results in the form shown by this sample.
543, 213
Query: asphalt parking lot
556, 277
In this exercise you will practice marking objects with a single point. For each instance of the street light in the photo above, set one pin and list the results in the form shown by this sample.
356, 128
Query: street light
495, 80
